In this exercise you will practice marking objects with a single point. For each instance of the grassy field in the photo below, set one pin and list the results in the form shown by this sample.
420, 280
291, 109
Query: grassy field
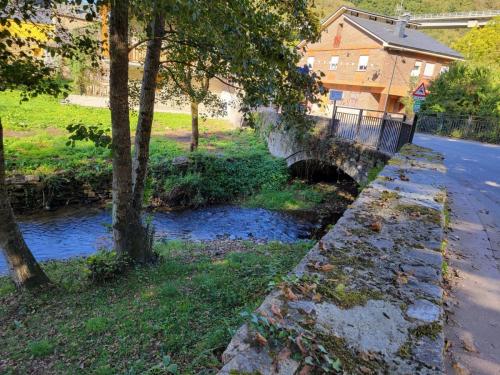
36, 135
187, 307
231, 164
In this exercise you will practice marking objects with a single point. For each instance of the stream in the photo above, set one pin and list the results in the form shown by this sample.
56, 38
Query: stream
71, 232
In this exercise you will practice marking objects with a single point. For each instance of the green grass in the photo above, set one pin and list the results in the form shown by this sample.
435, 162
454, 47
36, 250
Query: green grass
295, 196
230, 164
46, 112
36, 135
187, 307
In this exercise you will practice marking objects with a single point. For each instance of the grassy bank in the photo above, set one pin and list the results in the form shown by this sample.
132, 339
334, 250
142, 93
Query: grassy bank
186, 307
231, 164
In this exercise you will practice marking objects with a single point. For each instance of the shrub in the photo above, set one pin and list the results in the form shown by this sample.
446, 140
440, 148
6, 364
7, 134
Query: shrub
106, 265
210, 178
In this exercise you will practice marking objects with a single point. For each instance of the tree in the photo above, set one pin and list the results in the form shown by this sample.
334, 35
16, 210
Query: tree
253, 48
184, 80
464, 90
481, 46
24, 269
21, 68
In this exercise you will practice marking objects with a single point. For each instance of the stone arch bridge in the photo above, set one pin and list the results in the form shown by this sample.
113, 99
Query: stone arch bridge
353, 158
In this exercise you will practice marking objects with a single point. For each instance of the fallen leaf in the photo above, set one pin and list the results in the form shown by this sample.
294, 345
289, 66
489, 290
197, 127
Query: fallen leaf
307, 288
317, 297
261, 340
276, 311
284, 354
289, 295
376, 226
326, 267
298, 341
469, 345
306, 370
460, 369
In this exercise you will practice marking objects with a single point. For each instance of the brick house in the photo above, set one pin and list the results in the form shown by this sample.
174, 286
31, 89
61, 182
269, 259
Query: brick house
375, 60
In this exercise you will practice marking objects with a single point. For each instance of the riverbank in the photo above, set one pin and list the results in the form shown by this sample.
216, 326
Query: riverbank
186, 307
231, 165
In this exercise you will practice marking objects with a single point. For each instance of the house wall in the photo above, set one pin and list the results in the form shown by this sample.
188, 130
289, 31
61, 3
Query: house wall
367, 89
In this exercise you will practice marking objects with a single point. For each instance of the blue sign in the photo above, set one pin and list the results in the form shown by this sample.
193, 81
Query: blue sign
417, 104
334, 95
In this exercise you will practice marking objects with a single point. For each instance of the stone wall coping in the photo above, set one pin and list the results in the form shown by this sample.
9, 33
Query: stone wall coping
367, 298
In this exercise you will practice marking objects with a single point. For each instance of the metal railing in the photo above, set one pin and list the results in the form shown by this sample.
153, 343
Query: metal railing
482, 129
386, 132
480, 13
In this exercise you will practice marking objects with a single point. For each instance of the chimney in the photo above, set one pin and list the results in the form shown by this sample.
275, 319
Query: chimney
401, 25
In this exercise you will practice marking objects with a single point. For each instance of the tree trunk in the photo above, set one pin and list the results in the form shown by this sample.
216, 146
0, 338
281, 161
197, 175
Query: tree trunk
195, 132
146, 111
128, 231
25, 270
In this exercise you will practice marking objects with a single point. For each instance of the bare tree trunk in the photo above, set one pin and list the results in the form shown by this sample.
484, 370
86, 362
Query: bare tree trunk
25, 270
195, 132
128, 231
146, 111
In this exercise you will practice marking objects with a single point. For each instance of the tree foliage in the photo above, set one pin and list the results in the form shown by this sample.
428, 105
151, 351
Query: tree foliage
389, 7
464, 90
30, 25
481, 46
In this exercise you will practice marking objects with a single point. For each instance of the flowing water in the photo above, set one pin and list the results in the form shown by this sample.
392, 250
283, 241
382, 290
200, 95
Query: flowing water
78, 232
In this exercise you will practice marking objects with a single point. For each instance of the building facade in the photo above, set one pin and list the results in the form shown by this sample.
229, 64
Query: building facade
375, 60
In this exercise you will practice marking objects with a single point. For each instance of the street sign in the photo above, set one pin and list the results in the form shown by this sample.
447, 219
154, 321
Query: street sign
417, 104
334, 95
420, 91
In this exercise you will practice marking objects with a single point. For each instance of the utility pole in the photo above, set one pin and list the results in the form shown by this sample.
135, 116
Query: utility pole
390, 85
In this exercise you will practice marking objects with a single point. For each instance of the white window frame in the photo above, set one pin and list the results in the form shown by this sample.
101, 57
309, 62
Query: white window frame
444, 69
363, 63
334, 62
310, 62
415, 72
429, 69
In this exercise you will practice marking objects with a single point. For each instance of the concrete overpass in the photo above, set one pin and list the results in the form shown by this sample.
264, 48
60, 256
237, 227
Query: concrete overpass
454, 20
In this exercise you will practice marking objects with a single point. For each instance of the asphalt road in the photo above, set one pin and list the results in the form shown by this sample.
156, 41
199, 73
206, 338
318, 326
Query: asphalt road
473, 301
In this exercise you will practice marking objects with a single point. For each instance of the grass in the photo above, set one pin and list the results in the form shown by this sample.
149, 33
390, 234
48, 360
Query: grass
295, 196
186, 307
36, 135
231, 164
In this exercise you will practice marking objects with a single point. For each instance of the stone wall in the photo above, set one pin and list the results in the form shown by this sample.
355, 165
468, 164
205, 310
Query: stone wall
352, 158
367, 298
30, 193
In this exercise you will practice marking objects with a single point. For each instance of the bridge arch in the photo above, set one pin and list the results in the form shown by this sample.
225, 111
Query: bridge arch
352, 158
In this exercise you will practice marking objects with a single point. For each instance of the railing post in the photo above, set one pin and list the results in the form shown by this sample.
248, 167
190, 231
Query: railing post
358, 126
333, 129
413, 128
381, 135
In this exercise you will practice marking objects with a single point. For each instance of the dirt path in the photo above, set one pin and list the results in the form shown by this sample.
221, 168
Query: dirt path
473, 301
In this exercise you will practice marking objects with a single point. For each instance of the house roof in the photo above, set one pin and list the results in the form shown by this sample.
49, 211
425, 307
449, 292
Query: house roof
412, 40
382, 28
360, 13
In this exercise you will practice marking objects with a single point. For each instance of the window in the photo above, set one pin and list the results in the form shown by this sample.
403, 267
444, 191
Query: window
310, 62
416, 69
444, 69
363, 63
334, 62
429, 70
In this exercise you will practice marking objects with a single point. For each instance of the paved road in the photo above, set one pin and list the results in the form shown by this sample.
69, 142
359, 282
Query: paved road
473, 182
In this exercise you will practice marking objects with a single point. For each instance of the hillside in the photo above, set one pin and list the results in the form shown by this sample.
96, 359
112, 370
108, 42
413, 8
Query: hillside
326, 7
